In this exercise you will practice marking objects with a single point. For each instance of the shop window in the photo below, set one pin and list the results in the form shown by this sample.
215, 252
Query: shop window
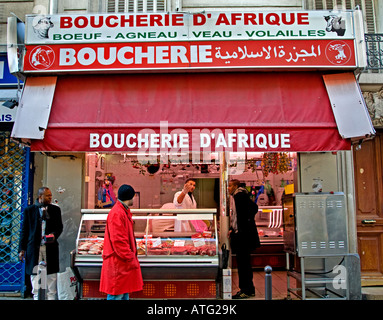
156, 186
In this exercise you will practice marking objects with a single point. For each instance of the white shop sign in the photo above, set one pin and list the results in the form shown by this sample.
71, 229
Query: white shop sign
153, 27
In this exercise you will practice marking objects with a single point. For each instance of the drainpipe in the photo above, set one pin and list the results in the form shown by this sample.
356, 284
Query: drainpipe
53, 7
352, 262
347, 185
224, 212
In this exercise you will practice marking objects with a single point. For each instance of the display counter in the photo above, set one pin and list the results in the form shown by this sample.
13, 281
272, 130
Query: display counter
177, 250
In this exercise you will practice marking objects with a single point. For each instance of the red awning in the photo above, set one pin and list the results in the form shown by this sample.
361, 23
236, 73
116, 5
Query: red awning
263, 112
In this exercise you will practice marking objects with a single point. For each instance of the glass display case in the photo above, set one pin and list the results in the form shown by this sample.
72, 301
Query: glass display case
171, 243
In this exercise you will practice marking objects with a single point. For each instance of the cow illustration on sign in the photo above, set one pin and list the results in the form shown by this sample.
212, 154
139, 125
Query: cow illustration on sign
42, 57
340, 57
338, 52
335, 24
42, 26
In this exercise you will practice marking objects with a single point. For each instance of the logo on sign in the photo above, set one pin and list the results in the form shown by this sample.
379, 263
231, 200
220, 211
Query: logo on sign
338, 52
41, 26
42, 57
335, 24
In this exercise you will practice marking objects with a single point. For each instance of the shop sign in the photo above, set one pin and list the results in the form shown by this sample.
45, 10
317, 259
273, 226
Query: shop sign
162, 27
6, 78
191, 55
199, 139
7, 115
313, 39
167, 141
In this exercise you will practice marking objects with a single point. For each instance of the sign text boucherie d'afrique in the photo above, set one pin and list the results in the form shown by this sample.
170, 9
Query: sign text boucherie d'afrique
215, 40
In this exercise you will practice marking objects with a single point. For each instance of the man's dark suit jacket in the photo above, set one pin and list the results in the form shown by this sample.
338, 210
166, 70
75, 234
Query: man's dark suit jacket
30, 237
247, 236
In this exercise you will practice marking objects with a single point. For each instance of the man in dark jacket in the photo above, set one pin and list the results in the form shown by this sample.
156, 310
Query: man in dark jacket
42, 226
243, 236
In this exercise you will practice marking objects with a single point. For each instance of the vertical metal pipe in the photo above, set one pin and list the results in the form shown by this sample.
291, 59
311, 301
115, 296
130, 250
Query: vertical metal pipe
224, 213
303, 278
53, 7
288, 275
268, 283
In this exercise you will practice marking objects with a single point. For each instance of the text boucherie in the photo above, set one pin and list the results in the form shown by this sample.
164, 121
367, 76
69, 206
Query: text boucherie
130, 55
182, 140
177, 20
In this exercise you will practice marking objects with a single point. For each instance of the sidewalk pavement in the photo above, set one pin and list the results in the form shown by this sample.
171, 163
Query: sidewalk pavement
372, 293
368, 293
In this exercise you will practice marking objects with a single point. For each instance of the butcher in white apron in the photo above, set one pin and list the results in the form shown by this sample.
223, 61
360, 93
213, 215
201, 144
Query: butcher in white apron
185, 200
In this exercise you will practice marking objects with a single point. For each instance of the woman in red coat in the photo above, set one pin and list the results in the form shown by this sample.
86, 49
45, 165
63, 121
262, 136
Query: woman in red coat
121, 272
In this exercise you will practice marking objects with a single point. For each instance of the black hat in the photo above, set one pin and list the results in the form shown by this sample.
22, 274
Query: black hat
125, 192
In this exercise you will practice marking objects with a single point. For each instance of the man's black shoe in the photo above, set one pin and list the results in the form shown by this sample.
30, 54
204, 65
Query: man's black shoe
242, 295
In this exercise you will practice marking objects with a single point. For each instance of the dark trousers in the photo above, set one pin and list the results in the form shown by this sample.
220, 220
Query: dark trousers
245, 271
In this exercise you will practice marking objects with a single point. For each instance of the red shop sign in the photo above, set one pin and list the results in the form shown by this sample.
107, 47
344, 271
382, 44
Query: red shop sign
191, 55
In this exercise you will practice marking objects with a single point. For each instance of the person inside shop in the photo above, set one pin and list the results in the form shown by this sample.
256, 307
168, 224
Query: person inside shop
121, 271
184, 199
106, 197
243, 236
42, 226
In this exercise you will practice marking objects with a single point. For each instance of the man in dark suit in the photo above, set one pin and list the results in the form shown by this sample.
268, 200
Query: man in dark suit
42, 226
243, 236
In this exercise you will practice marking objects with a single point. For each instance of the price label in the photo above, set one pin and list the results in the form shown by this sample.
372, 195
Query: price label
199, 242
157, 242
179, 243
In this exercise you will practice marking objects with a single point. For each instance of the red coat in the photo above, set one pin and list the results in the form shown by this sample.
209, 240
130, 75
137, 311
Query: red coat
121, 271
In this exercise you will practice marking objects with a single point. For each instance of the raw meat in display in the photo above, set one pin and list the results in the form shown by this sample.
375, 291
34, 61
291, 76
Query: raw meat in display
91, 246
94, 246
193, 251
184, 250
158, 251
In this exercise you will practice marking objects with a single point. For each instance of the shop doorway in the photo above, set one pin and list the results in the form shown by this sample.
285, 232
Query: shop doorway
368, 170
207, 195
265, 176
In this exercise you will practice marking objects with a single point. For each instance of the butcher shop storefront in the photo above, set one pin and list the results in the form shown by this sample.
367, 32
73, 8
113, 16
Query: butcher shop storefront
154, 99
